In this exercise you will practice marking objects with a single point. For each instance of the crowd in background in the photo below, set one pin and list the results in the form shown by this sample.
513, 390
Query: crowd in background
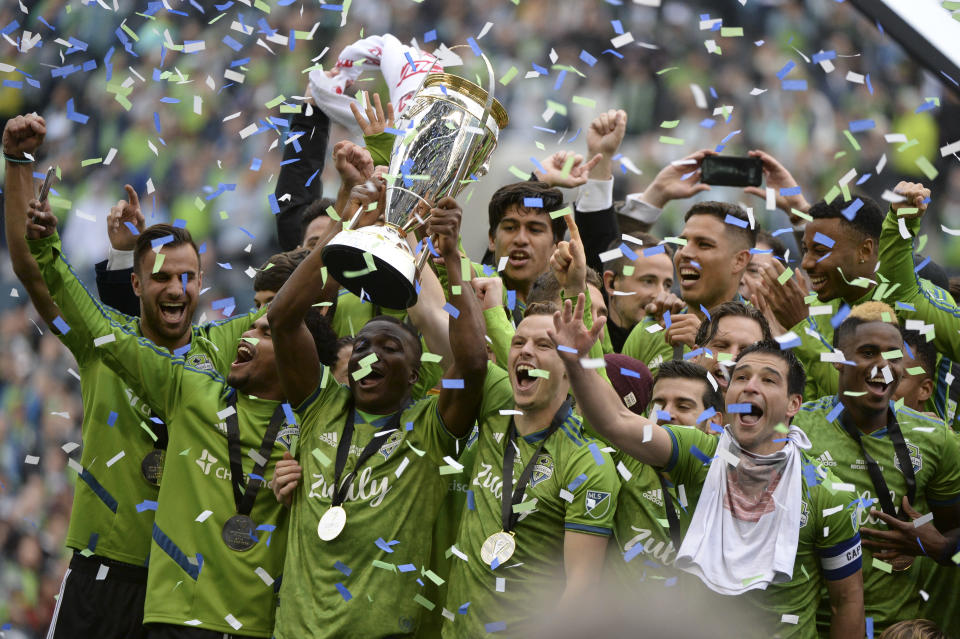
40, 408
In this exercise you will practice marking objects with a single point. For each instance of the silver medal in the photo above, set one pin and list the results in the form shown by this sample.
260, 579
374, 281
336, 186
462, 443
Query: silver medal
332, 523
500, 546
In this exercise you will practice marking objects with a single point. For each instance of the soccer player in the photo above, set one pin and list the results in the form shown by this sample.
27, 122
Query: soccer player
109, 534
732, 327
893, 458
716, 251
218, 540
683, 396
371, 460
766, 520
919, 368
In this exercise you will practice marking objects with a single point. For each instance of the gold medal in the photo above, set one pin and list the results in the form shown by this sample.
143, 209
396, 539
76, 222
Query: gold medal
332, 523
151, 468
237, 533
500, 546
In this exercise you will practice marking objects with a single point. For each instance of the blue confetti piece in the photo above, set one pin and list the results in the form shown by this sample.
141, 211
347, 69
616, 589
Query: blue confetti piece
617, 27
823, 55
413, 65
708, 123
183, 350
597, 457
288, 414
160, 241
475, 47
703, 309
840, 315
869, 84
430, 36
471, 504
511, 299
111, 419
495, 563
587, 58
560, 78
781, 231
735, 221
539, 69
495, 626
794, 85
739, 408
790, 190
451, 383
566, 349
782, 73
694, 353
463, 609
756, 251
533, 202
577, 481
654, 250
825, 256
74, 115
274, 206
906, 347
257, 477
385, 545
851, 211
869, 620
731, 135
664, 415
926, 106
635, 550
713, 93
340, 587
451, 310
792, 343
628, 252
146, 504
864, 178
826, 240
181, 223
666, 320
835, 412
861, 125
699, 454
406, 567
61, 325
903, 306
133, 229
707, 414
626, 372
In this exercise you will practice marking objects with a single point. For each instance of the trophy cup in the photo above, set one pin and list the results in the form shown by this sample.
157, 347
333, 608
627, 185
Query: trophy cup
451, 127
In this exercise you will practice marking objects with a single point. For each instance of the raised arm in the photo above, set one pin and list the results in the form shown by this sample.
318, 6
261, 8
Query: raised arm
22, 136
597, 400
114, 283
458, 406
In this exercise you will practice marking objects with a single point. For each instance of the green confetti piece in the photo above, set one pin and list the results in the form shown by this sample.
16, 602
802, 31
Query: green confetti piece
750, 580
274, 102
325, 377
669, 124
130, 32
924, 165
423, 601
200, 204
916, 370
508, 76
360, 373
539, 372
332, 212
557, 107
832, 194
376, 563
185, 452
223, 215
845, 190
517, 173
432, 576
455, 290
854, 393
322, 459
667, 70
368, 360
679, 241
449, 470
724, 357
59, 203
150, 432
420, 453
882, 565
263, 6
781, 428
91, 161
852, 140
158, 263
921, 242
956, 558
251, 340
561, 212
894, 354
370, 267
907, 210
525, 506
786, 275
628, 270
666, 139
582, 101
567, 67
539, 145
731, 32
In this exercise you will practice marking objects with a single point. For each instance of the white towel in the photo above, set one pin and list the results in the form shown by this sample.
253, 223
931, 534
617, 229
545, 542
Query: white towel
744, 540
379, 51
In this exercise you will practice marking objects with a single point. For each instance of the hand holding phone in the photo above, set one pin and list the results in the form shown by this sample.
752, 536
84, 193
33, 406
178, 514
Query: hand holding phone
47, 183
726, 170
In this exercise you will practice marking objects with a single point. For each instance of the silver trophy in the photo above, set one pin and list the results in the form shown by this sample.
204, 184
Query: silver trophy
451, 128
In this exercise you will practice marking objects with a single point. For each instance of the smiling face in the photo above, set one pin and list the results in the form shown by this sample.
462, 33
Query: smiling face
385, 388
629, 294
734, 333
710, 264
824, 264
679, 396
757, 262
525, 237
254, 371
166, 305
760, 379
531, 349
864, 346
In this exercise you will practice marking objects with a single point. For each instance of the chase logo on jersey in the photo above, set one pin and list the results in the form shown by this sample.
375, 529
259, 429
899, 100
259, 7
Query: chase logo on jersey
542, 470
804, 513
391, 444
597, 503
206, 460
200, 361
915, 458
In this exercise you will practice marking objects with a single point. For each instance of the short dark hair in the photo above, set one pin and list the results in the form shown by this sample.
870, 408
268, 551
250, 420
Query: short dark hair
324, 337
276, 270
796, 375
708, 329
616, 264
411, 331
923, 351
314, 210
144, 243
720, 210
681, 369
866, 222
778, 248
546, 288
541, 308
514, 194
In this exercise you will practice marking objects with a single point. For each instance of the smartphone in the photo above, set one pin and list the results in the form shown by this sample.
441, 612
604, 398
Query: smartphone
728, 170
47, 183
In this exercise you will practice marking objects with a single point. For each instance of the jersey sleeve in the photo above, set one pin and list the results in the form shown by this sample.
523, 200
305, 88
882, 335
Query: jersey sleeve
380, 147
500, 331
430, 434
944, 487
836, 518
649, 348
430, 375
225, 335
691, 454
497, 393
151, 372
896, 264
590, 475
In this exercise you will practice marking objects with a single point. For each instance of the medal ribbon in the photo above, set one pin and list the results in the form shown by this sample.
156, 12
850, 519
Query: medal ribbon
343, 451
510, 496
873, 468
244, 500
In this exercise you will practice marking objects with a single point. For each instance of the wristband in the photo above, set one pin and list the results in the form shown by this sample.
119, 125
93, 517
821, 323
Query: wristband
10, 158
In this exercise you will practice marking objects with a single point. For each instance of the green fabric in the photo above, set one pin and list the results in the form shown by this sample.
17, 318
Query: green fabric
196, 474
567, 463
888, 597
384, 503
380, 147
650, 348
113, 414
801, 594
500, 331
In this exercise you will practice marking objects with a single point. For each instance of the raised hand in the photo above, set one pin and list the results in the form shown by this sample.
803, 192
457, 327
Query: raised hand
682, 330
570, 334
604, 137
23, 135
444, 224
121, 237
353, 163
903, 537
759, 301
286, 478
558, 173
784, 301
915, 196
669, 184
489, 291
776, 177
569, 262
41, 222
663, 302
375, 122
368, 199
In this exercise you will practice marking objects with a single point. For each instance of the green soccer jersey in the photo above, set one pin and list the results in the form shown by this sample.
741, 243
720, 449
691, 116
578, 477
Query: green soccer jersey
573, 486
888, 596
364, 583
829, 542
189, 561
108, 516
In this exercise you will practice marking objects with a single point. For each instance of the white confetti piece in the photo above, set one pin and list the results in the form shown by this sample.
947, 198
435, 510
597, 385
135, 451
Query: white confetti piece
195, 46
728, 457
682, 495
950, 149
566, 495
699, 98
113, 460
756, 91
250, 272
257, 458
592, 362
264, 575
102, 572
248, 130
486, 28
501, 584
202, 517
198, 105
33, 460
14, 293
624, 471
848, 177
230, 619
403, 465
842, 486
893, 138
829, 511
104, 339
792, 619
771, 199
150, 188
233, 76
69, 447
856, 78
226, 412
510, 411
459, 553
647, 433
86, 216
882, 163
74, 465
612, 254
621, 40
453, 462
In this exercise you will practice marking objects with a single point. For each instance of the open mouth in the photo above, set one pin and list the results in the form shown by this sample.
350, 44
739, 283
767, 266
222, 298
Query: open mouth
245, 353
525, 381
371, 379
817, 281
877, 385
518, 258
172, 313
689, 276
753, 417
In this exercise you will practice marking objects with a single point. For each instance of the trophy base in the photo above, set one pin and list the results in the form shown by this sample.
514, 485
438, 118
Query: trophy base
390, 283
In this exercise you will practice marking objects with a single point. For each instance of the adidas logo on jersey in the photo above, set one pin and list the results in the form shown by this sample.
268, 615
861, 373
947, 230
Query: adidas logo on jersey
329, 439
656, 496
826, 459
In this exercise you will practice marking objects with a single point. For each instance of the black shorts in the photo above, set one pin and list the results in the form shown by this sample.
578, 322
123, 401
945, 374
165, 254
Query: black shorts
108, 608
168, 631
